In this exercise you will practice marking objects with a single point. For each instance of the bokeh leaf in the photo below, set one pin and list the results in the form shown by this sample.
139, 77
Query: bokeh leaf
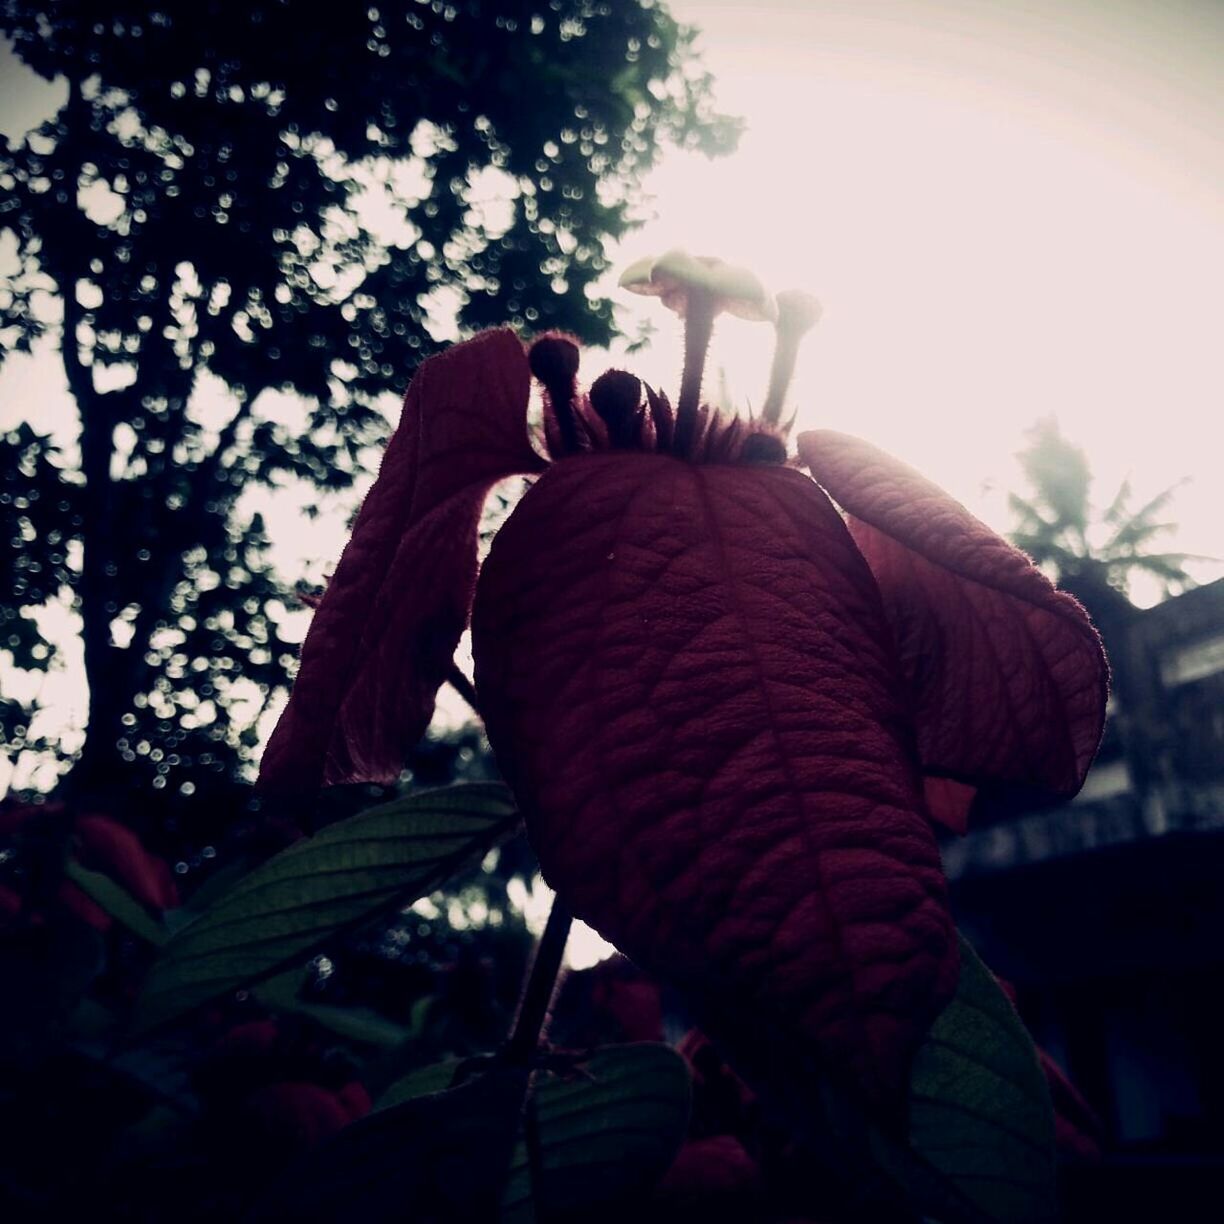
440, 1157
390, 854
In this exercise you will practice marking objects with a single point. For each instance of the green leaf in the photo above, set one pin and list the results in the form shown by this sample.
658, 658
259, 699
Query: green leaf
117, 902
361, 1024
437, 1157
437, 1077
297, 900
603, 1131
980, 1112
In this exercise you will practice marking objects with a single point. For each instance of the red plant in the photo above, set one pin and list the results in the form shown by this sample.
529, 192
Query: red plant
98, 842
729, 714
268, 1088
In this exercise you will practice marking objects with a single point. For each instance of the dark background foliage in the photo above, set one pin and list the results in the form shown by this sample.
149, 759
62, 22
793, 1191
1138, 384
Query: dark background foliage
271, 196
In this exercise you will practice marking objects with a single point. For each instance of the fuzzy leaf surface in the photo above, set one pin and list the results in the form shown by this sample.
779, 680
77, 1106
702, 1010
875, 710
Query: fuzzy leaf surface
689, 682
386, 630
1007, 675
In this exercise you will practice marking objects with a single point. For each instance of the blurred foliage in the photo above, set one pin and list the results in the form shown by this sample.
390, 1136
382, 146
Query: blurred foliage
246, 199
365, 1065
1094, 555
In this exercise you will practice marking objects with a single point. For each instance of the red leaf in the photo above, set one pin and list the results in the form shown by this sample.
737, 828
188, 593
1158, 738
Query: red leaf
1008, 676
948, 802
296, 1116
387, 627
112, 848
688, 680
710, 1174
84, 907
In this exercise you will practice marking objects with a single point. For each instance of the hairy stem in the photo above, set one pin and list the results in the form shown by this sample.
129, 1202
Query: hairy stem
698, 328
780, 373
541, 983
797, 315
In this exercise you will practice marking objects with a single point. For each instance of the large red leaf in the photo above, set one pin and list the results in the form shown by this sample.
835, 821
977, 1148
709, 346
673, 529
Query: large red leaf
1008, 675
386, 630
688, 680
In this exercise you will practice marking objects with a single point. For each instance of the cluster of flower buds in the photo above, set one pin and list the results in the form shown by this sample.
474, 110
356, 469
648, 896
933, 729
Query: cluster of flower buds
698, 289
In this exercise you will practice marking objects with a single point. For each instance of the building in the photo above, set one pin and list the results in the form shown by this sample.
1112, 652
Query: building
1108, 912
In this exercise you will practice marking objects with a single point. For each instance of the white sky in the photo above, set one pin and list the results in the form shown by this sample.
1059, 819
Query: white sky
1007, 210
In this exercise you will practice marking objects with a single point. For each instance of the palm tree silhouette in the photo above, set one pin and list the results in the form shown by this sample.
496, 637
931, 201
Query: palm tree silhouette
1094, 557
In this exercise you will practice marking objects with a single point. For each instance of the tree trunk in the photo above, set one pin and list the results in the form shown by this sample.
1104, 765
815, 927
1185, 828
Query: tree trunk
93, 772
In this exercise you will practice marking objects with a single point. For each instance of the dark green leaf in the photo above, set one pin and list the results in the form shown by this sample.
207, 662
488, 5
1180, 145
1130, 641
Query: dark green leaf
437, 1077
603, 1129
602, 1132
981, 1123
365, 1025
389, 855
117, 902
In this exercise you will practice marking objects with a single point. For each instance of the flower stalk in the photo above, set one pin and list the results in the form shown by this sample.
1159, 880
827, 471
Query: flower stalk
540, 988
698, 328
798, 313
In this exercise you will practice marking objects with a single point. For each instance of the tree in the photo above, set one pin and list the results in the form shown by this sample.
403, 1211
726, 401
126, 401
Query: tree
1093, 556
262, 198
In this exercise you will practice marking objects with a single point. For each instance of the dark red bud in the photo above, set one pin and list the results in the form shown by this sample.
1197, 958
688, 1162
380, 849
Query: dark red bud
763, 448
553, 359
295, 1116
616, 395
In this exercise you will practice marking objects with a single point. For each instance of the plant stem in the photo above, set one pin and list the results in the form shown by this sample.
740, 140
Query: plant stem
698, 328
781, 371
797, 315
541, 983
463, 686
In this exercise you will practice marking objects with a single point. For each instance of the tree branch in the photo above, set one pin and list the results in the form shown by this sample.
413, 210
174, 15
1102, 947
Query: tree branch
66, 265
541, 984
463, 686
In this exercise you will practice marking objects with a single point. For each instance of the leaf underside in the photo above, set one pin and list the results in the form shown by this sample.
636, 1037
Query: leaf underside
386, 630
601, 1134
689, 683
1007, 675
981, 1126
393, 853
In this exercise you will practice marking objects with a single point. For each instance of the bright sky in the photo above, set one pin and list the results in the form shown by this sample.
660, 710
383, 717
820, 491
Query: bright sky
1007, 209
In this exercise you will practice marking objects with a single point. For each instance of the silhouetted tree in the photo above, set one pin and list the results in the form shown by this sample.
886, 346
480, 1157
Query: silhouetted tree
1094, 556
278, 196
